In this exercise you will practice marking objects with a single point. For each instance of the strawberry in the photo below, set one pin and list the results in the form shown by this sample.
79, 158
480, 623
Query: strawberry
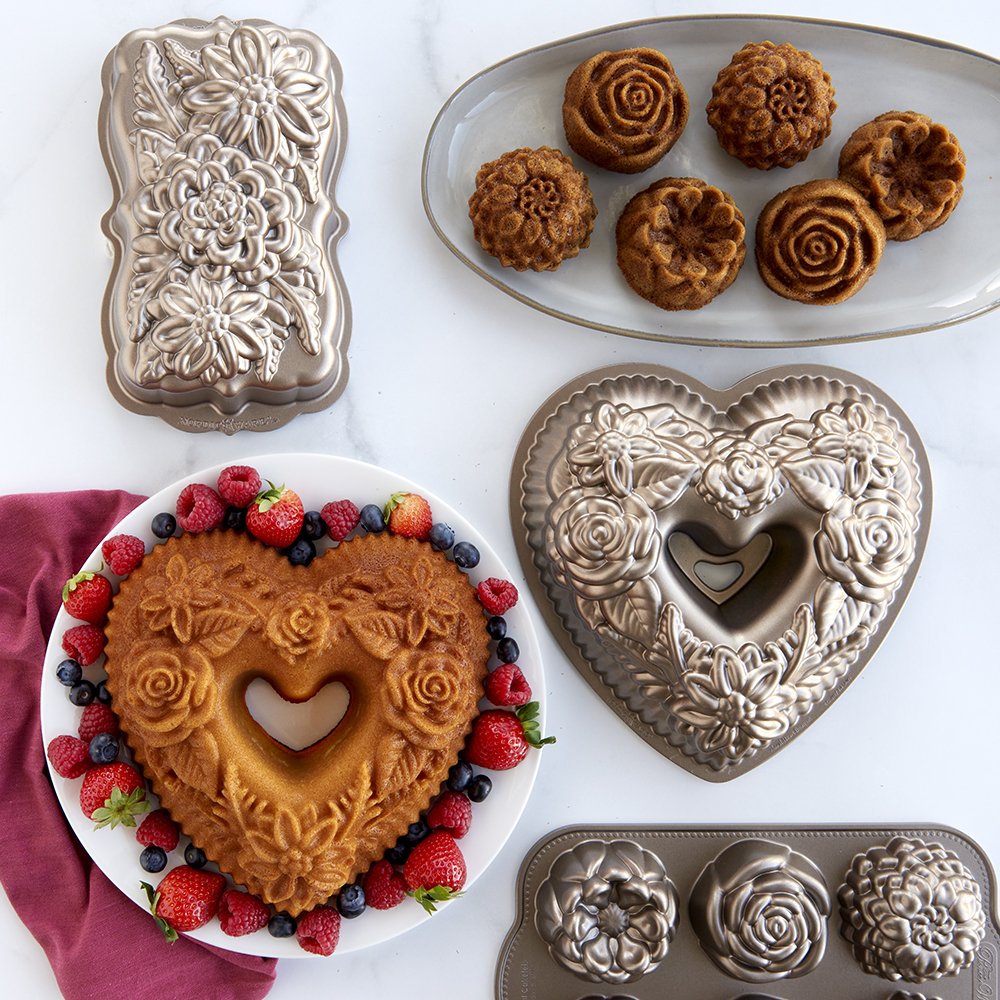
409, 514
186, 899
123, 553
341, 518
199, 508
451, 812
87, 597
68, 756
83, 643
276, 516
240, 913
318, 931
159, 829
506, 685
497, 596
435, 870
239, 485
384, 886
500, 740
97, 718
113, 794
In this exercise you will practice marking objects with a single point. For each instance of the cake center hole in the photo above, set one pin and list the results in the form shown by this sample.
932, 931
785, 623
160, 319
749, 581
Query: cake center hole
297, 724
718, 576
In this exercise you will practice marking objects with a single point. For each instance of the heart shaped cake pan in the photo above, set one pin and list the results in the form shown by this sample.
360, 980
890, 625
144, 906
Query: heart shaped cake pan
720, 565
713, 913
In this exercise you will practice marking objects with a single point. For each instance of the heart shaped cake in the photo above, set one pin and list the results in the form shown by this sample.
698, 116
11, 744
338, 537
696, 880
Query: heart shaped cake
720, 565
204, 615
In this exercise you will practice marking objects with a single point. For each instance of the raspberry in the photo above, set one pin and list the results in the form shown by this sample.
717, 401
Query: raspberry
199, 508
84, 643
506, 686
123, 553
318, 931
159, 829
238, 485
452, 812
68, 756
97, 718
240, 913
341, 517
384, 886
497, 596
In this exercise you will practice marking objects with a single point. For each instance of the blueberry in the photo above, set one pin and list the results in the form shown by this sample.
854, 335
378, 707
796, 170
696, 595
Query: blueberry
507, 650
195, 856
416, 832
69, 672
153, 859
82, 693
479, 788
313, 526
281, 925
235, 518
103, 695
497, 627
103, 748
164, 525
441, 537
301, 552
397, 855
459, 776
466, 555
351, 901
372, 519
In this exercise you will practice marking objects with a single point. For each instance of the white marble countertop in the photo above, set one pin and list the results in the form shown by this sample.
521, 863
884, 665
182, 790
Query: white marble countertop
445, 371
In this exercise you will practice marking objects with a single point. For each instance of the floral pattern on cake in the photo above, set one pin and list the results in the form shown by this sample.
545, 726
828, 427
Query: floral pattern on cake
607, 911
624, 110
760, 912
912, 911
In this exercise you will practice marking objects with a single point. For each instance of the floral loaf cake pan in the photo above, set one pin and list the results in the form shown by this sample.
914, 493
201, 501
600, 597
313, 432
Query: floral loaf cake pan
225, 309
869, 913
720, 565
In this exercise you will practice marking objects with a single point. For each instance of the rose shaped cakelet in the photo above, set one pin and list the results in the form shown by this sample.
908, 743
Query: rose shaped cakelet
607, 911
912, 911
205, 614
909, 168
760, 911
772, 105
680, 243
818, 242
532, 209
624, 110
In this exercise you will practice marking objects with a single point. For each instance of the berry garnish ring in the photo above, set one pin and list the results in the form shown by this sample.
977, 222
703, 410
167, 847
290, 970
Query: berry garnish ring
318, 479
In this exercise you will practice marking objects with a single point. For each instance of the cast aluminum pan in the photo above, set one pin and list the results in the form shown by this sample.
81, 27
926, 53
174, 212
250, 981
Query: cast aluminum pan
225, 309
720, 565
710, 913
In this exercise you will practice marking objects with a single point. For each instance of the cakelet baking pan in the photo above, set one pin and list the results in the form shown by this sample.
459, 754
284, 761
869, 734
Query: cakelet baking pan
225, 309
708, 913
720, 565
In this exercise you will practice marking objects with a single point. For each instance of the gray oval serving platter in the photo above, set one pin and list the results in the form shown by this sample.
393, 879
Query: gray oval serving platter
720, 565
940, 279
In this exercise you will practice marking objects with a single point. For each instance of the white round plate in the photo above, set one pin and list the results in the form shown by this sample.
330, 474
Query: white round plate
317, 479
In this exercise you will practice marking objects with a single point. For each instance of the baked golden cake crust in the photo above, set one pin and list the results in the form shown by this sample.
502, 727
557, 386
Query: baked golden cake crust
624, 110
818, 242
532, 209
910, 169
205, 614
681, 242
772, 105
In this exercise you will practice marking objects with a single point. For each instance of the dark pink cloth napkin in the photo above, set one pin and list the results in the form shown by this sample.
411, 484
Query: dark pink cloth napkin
99, 943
